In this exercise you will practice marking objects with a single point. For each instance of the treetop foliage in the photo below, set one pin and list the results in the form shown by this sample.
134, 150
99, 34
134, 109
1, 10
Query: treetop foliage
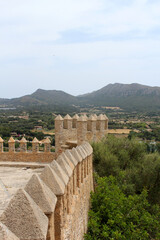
115, 216
125, 205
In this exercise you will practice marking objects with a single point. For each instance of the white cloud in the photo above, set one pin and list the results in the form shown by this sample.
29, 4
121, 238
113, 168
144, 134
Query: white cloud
119, 38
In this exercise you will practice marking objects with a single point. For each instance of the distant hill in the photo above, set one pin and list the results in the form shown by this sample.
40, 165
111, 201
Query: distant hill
127, 96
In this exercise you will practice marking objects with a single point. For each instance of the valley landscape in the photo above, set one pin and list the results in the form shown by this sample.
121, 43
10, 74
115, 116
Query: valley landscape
133, 111
129, 97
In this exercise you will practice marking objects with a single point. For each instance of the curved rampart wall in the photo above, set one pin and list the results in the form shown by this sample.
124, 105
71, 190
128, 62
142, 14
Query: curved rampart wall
53, 205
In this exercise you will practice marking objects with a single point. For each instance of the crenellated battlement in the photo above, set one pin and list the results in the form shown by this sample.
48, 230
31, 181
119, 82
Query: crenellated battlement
74, 131
21, 154
54, 204
50, 201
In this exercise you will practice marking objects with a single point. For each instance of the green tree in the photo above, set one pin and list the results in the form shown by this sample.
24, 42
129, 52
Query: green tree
115, 216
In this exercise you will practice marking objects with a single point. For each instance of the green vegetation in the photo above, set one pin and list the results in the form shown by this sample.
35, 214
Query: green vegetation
153, 135
126, 201
115, 216
19, 123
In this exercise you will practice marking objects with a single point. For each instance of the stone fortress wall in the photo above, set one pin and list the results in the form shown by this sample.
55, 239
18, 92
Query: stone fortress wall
54, 204
70, 132
26, 156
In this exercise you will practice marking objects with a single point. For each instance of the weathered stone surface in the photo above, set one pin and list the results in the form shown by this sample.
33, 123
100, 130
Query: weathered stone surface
52, 180
85, 146
95, 116
82, 119
101, 117
47, 140
35, 140
59, 118
6, 234
67, 117
59, 171
92, 118
23, 140
85, 116
76, 154
11, 140
68, 161
83, 151
24, 218
106, 118
80, 151
75, 116
71, 157
39, 157
41, 194
89, 147
64, 165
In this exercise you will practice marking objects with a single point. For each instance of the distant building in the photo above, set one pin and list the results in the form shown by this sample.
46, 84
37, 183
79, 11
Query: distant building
38, 128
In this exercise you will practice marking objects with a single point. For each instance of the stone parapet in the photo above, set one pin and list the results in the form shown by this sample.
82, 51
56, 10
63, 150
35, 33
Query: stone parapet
21, 154
76, 130
54, 204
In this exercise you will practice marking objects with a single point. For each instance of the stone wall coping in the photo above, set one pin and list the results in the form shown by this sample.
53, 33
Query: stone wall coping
58, 118
60, 172
64, 165
92, 118
11, 140
47, 140
31, 222
85, 154
106, 118
51, 179
23, 140
75, 117
80, 151
35, 140
67, 159
41, 194
71, 157
82, 119
67, 117
77, 155
95, 116
6, 234
101, 117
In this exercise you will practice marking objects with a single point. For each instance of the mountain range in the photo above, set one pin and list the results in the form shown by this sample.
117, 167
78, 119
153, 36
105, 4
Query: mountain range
134, 97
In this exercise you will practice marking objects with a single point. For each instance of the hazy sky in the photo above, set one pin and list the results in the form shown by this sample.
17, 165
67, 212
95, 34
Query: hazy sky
77, 45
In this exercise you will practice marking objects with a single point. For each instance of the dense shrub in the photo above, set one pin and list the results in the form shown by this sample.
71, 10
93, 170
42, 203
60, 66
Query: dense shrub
116, 216
130, 163
123, 205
